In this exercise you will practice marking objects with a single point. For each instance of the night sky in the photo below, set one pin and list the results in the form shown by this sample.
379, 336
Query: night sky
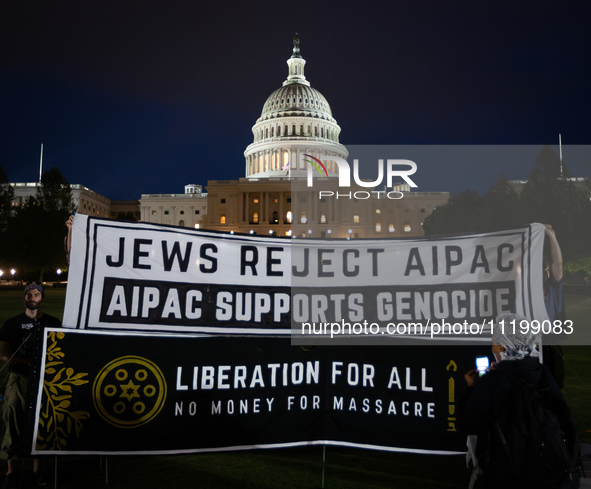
144, 97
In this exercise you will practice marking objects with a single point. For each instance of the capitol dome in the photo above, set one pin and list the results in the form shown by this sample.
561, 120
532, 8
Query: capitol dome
296, 120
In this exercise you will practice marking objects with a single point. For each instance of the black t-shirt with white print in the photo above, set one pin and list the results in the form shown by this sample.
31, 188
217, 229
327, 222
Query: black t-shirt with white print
18, 332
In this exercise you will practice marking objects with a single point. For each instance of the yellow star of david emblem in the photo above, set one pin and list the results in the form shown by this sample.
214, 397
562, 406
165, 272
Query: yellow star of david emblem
129, 390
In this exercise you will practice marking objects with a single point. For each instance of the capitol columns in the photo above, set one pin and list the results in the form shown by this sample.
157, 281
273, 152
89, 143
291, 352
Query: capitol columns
246, 210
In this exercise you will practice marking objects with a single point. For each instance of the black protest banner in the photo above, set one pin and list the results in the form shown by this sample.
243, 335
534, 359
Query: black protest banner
166, 394
146, 277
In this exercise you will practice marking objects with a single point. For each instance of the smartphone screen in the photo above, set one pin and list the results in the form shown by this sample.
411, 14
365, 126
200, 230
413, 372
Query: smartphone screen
482, 364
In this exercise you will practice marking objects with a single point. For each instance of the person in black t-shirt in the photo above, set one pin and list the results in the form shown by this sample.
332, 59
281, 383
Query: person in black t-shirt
16, 349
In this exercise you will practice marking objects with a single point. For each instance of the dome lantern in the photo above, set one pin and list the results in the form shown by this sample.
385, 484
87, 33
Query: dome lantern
296, 65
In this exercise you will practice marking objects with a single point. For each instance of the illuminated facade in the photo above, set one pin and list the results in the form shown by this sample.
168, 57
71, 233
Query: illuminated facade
296, 123
185, 210
87, 201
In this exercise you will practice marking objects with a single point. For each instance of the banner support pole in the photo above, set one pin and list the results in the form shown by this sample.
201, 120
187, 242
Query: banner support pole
323, 463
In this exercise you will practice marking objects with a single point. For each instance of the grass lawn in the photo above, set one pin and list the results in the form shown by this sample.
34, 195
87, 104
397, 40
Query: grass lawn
300, 468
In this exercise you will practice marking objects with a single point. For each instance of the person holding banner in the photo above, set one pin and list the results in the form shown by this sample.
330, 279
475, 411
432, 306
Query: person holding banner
17, 349
554, 300
68, 238
495, 406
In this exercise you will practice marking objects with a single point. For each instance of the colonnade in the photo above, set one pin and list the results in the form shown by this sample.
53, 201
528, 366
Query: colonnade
275, 159
263, 207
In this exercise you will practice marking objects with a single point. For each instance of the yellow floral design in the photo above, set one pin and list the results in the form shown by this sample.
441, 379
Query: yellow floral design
55, 420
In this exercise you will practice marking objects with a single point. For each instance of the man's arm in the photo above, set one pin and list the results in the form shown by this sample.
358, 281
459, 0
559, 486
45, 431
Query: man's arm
6, 354
4, 351
68, 240
555, 253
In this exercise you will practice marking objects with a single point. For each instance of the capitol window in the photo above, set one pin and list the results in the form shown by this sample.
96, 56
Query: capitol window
378, 227
323, 218
391, 228
255, 218
407, 226
356, 218
223, 219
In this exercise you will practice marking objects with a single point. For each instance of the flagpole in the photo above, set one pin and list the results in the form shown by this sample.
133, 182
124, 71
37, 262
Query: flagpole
560, 147
41, 164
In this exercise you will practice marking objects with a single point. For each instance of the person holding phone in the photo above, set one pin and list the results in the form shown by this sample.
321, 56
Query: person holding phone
490, 400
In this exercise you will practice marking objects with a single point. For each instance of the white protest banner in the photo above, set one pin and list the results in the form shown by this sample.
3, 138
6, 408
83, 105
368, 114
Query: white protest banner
140, 276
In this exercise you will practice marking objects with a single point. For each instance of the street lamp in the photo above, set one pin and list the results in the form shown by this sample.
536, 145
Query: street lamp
59, 273
350, 231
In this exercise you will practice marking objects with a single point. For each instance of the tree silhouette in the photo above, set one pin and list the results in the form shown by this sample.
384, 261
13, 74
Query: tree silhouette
35, 234
548, 197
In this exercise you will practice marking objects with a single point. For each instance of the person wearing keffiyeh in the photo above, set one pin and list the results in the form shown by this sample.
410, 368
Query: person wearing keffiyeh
513, 339
491, 398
